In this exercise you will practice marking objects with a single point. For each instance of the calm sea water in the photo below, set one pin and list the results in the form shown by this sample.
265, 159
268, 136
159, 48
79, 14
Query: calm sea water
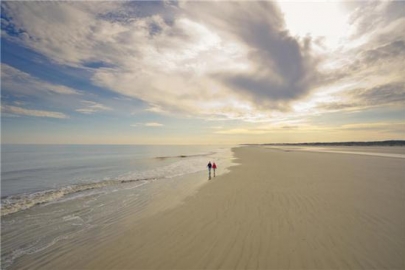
52, 193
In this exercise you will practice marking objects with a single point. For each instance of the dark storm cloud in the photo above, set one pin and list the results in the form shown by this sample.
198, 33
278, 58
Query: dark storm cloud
283, 69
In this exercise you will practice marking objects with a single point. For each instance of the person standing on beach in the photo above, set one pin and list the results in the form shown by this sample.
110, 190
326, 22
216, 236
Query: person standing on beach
209, 170
214, 166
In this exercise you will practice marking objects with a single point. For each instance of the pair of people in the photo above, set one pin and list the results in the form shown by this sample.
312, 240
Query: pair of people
211, 166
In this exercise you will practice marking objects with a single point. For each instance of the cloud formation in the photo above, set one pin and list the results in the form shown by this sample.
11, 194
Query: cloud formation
149, 124
391, 94
176, 63
214, 60
14, 110
281, 69
153, 124
92, 107
27, 85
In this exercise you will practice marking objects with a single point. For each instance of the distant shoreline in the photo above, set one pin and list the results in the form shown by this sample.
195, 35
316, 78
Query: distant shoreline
353, 143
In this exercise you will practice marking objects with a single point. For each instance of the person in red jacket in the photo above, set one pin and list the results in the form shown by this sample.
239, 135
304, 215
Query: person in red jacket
214, 166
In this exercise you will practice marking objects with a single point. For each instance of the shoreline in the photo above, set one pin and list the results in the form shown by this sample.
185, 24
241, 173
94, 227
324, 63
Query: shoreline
275, 209
389, 143
73, 213
379, 151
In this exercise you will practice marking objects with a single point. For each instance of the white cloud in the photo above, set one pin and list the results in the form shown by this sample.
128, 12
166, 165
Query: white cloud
171, 70
148, 124
52, 29
153, 124
93, 107
23, 83
14, 110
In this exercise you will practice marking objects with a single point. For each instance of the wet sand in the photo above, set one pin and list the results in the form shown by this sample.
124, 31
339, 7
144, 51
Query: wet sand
276, 210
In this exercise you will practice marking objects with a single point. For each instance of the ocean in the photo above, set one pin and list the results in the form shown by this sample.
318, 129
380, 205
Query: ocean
52, 193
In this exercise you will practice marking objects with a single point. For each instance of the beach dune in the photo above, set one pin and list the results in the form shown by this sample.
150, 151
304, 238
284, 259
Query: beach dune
276, 209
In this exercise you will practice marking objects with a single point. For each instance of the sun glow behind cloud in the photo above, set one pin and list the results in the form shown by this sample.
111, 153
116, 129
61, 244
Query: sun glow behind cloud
316, 19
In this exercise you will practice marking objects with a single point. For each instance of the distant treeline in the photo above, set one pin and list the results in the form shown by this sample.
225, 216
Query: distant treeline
372, 143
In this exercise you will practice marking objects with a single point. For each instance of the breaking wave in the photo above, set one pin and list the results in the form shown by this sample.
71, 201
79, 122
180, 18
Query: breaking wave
15, 203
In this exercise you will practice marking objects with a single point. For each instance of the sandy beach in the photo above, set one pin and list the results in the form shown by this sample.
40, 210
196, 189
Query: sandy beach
276, 209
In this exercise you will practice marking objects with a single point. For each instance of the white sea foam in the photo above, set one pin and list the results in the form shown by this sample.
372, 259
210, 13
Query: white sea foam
15, 203
8, 260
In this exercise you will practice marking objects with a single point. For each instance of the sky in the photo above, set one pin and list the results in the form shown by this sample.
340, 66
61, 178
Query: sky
202, 72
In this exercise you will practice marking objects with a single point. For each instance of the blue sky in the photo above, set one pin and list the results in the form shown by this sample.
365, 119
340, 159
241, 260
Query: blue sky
184, 72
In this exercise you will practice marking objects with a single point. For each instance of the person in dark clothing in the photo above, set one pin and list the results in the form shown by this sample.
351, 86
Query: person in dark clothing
209, 170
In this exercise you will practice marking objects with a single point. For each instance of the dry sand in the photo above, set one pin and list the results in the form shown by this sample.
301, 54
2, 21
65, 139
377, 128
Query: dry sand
276, 210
